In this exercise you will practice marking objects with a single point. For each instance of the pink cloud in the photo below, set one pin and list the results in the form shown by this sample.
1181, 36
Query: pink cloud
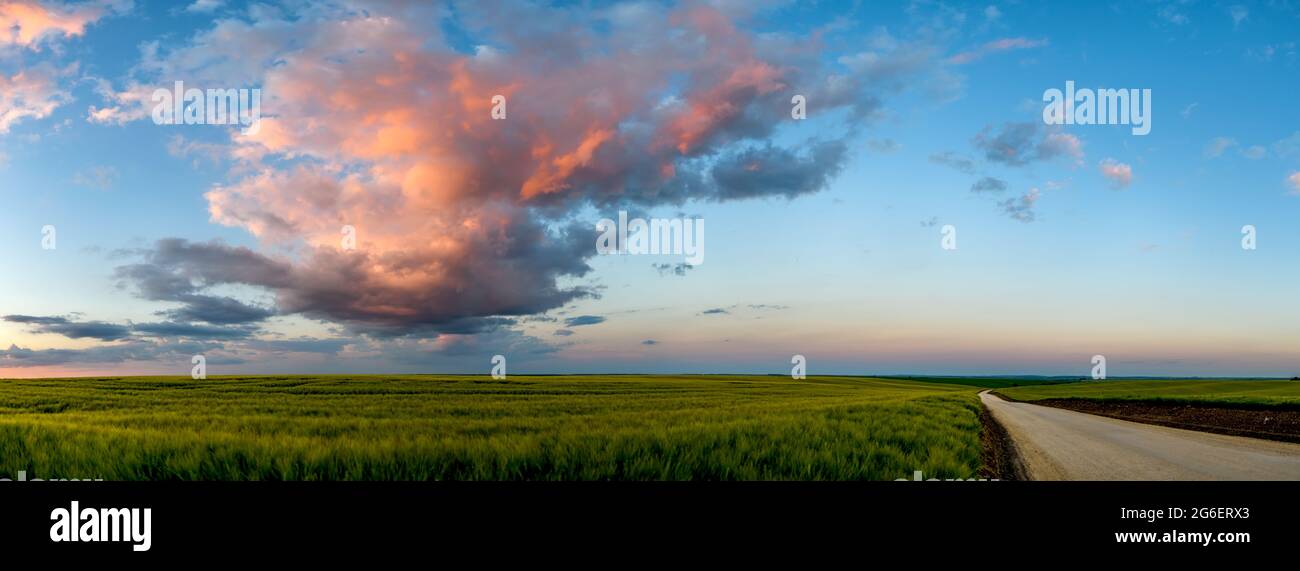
28, 22
461, 218
33, 93
1119, 174
993, 47
1294, 181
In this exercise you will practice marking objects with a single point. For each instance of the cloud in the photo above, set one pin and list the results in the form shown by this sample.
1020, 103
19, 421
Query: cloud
299, 345
1119, 174
1217, 146
72, 329
1021, 208
104, 331
97, 177
1171, 14
1239, 14
649, 342
988, 184
1294, 181
192, 331
677, 269
16, 356
994, 47
715, 311
778, 171
465, 222
178, 271
33, 93
1018, 144
1187, 111
1288, 147
583, 320
29, 23
1254, 152
205, 6
563, 332
884, 146
954, 160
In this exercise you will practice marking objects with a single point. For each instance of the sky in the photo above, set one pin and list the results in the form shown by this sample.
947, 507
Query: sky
915, 214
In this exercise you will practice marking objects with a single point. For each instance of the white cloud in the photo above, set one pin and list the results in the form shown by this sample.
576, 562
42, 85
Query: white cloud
205, 6
1254, 152
1239, 14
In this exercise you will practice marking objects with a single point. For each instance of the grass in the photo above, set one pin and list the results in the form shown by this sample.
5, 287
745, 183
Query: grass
473, 428
1235, 393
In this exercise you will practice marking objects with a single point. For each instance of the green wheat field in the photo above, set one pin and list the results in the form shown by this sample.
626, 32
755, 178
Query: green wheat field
707, 427
474, 428
1236, 393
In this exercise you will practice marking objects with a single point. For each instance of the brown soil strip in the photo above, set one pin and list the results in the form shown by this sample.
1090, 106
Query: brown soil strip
1283, 425
998, 458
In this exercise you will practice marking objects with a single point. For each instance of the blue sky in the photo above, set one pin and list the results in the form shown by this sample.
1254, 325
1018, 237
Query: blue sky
833, 254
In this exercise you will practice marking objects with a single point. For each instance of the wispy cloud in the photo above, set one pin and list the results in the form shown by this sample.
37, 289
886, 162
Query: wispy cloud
993, 47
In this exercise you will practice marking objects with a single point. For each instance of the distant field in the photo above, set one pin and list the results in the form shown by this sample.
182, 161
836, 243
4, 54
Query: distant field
990, 382
1245, 393
472, 428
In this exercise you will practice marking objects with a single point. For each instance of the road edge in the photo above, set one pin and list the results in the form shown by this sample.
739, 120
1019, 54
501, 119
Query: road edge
999, 458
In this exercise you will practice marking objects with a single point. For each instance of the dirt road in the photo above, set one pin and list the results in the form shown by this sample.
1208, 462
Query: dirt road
1058, 444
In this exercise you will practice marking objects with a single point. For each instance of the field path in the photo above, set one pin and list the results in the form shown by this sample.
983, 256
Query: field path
1059, 444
